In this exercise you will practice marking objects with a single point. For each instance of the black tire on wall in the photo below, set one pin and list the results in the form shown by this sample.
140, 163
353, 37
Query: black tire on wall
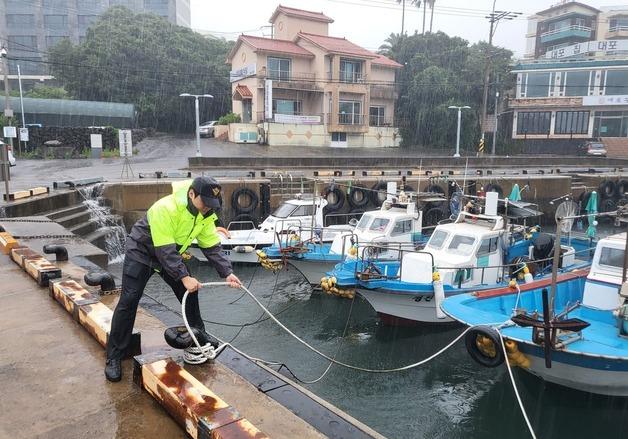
358, 198
494, 188
239, 199
432, 216
377, 190
622, 188
607, 189
335, 199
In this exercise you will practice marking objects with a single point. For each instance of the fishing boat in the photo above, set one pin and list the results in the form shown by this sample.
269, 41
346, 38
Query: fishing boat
299, 212
478, 251
392, 228
572, 332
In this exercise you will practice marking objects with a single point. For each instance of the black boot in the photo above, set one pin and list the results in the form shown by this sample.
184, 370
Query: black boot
113, 370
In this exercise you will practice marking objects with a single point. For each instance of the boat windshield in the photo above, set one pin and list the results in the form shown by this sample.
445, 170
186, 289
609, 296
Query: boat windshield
612, 257
284, 210
437, 239
364, 222
379, 224
461, 245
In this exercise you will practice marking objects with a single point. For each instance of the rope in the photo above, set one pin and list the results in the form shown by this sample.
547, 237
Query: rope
514, 387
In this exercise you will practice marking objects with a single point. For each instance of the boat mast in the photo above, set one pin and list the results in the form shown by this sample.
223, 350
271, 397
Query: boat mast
555, 262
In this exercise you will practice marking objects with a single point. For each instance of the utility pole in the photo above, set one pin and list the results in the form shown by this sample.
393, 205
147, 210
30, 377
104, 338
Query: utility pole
8, 113
493, 19
403, 14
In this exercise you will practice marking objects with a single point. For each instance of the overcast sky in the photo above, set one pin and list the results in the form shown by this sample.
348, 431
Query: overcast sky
369, 22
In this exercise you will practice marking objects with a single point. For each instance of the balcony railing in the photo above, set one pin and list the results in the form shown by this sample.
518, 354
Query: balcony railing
282, 75
352, 77
350, 119
380, 121
618, 29
573, 27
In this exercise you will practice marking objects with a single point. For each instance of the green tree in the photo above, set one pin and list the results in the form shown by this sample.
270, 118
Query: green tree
47, 92
144, 60
440, 71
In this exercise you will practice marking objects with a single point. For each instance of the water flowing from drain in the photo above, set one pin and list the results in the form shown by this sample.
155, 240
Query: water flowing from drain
101, 214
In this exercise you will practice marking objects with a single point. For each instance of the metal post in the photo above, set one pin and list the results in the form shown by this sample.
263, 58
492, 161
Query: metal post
9, 114
623, 273
495, 126
457, 154
5, 166
198, 129
19, 81
555, 263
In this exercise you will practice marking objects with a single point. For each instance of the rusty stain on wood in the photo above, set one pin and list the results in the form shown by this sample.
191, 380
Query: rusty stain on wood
7, 242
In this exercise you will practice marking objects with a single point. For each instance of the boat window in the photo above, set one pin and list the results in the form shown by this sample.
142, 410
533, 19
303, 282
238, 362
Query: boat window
379, 224
613, 257
401, 227
364, 222
306, 210
437, 239
284, 210
488, 245
462, 245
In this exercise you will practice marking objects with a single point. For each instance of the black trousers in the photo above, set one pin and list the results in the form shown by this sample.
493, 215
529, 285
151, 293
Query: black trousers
135, 275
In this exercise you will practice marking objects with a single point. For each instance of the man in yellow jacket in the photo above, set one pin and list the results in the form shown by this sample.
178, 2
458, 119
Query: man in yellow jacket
155, 245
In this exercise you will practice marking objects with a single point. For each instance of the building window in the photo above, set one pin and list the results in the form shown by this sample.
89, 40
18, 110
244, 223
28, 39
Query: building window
616, 24
22, 44
577, 83
571, 122
55, 4
350, 113
610, 124
376, 116
279, 68
53, 41
350, 71
56, 21
286, 106
616, 82
338, 137
85, 21
19, 20
534, 122
537, 85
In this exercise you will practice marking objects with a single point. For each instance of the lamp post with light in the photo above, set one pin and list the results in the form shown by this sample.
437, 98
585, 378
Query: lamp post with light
198, 129
457, 154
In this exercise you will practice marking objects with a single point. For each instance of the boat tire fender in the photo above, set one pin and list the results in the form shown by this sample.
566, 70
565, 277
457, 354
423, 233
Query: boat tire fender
494, 188
339, 196
471, 343
375, 190
607, 189
358, 198
245, 193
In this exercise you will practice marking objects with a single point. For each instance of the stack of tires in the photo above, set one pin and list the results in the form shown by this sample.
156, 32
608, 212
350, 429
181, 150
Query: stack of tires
244, 202
435, 212
610, 195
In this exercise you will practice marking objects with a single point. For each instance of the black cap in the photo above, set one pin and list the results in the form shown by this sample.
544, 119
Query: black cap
209, 190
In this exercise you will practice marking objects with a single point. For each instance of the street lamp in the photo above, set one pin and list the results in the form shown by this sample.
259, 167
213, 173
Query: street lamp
198, 129
457, 154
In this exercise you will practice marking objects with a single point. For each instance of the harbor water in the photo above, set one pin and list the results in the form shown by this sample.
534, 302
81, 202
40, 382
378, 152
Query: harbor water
450, 397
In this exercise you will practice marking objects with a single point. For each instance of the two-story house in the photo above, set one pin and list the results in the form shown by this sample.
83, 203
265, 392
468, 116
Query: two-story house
574, 82
305, 87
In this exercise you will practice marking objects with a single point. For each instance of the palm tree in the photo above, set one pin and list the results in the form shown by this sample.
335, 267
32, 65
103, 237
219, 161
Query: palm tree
431, 2
390, 45
403, 14
424, 8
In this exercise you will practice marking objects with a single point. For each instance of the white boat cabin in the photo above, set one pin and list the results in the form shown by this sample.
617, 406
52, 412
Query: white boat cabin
601, 289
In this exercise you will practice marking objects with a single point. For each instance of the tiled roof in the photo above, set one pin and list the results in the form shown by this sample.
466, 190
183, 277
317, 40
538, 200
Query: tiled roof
337, 45
274, 45
384, 61
243, 91
293, 12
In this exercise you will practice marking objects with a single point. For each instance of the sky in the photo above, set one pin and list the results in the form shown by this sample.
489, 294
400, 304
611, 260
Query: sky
369, 22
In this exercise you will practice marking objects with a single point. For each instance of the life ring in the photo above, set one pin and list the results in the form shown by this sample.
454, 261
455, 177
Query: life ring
244, 217
378, 193
607, 189
432, 216
483, 344
434, 188
244, 193
494, 188
622, 188
335, 194
358, 198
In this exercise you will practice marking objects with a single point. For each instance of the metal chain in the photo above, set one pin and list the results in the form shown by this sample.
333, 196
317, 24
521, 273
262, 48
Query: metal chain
110, 292
15, 220
45, 237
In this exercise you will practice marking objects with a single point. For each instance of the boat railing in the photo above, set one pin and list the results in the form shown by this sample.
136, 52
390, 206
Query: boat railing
241, 223
370, 253
294, 235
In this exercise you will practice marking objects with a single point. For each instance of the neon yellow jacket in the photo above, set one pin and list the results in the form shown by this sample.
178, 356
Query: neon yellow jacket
168, 230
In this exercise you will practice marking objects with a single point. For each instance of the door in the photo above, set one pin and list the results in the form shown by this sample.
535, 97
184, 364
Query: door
247, 111
488, 262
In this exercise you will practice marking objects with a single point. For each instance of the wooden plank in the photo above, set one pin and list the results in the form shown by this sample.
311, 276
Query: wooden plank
70, 294
96, 319
18, 254
39, 190
17, 195
7, 242
185, 398
41, 269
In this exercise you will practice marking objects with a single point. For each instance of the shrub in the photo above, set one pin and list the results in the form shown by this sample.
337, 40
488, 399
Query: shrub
229, 118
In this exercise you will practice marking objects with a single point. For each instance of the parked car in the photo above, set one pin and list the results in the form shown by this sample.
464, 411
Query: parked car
12, 161
596, 149
207, 128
